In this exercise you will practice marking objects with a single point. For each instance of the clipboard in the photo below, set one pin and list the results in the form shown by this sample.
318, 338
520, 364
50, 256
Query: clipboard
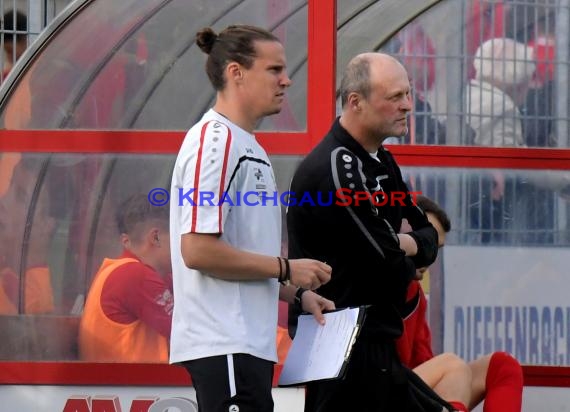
322, 352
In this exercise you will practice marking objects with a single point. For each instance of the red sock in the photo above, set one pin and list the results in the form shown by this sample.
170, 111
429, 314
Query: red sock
458, 406
504, 384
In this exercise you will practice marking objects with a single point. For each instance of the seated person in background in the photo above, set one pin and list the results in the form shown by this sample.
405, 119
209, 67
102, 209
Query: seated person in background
127, 315
16, 201
496, 378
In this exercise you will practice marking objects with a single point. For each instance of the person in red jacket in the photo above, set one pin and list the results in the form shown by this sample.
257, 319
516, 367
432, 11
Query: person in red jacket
496, 378
128, 310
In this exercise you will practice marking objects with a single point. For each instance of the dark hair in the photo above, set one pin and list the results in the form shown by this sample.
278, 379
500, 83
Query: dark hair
429, 206
233, 44
21, 25
137, 210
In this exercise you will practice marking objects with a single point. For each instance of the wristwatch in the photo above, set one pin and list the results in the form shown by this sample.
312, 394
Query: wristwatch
297, 301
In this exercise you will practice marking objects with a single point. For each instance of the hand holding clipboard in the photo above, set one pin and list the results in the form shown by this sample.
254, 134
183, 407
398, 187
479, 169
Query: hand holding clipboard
322, 352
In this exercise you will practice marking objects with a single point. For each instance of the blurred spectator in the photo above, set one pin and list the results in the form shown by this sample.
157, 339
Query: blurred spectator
417, 54
15, 27
503, 71
20, 253
485, 20
538, 127
539, 104
15, 42
8, 162
128, 310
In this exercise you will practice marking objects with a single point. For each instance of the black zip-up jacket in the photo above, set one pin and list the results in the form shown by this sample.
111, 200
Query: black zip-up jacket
359, 242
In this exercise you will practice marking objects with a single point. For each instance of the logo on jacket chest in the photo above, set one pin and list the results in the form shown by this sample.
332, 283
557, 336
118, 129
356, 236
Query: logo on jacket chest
378, 187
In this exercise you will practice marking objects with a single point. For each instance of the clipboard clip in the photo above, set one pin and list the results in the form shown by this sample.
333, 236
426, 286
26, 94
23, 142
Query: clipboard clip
353, 336
355, 331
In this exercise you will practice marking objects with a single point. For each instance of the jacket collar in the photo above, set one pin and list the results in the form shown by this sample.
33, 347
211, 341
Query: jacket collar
344, 138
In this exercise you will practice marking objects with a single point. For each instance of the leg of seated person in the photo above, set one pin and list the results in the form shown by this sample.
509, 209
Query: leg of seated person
479, 368
504, 384
449, 376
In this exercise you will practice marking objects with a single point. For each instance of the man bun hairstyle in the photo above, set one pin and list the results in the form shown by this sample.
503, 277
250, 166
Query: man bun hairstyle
205, 39
233, 44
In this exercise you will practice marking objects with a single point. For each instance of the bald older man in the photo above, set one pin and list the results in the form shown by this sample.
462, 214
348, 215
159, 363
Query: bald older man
357, 234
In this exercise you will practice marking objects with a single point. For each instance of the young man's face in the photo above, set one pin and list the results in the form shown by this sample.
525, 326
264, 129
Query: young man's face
265, 82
